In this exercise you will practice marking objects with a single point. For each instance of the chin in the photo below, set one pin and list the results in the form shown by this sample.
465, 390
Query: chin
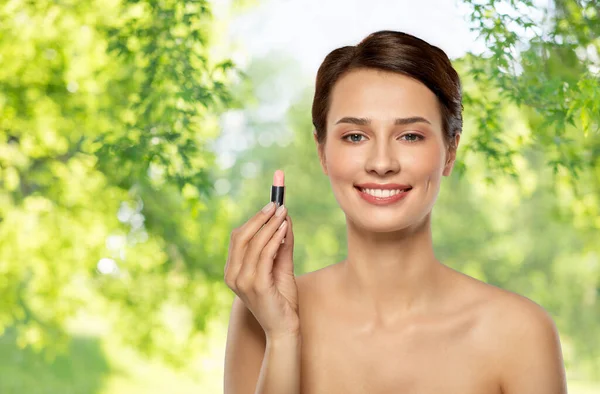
383, 223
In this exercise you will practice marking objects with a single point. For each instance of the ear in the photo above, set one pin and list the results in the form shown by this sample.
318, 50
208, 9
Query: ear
321, 153
451, 157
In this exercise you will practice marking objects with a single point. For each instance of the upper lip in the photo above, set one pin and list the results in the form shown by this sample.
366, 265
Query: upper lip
384, 186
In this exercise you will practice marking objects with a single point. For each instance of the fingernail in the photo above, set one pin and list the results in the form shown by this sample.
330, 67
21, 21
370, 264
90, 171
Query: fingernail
279, 210
268, 207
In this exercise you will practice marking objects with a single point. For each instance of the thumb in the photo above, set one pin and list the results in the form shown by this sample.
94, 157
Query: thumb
284, 259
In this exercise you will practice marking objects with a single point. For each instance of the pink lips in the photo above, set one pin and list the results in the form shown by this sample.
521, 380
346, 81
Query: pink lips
382, 200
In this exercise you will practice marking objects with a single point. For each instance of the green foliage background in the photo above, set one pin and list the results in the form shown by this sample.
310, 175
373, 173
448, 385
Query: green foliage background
115, 213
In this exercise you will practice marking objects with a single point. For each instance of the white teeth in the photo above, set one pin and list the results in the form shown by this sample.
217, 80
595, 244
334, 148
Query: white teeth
381, 193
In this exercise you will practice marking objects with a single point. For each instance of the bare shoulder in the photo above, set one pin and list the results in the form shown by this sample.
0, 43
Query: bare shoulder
311, 283
313, 276
316, 290
505, 309
524, 338
512, 315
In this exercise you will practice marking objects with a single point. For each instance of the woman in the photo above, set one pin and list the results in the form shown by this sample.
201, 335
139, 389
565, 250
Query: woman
390, 318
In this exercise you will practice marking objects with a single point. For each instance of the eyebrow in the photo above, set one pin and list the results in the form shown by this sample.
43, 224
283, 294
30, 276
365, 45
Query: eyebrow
397, 121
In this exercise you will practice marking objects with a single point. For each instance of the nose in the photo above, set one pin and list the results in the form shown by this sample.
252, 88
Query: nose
382, 158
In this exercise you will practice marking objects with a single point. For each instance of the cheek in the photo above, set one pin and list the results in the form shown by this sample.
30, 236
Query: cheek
427, 166
418, 163
343, 161
424, 162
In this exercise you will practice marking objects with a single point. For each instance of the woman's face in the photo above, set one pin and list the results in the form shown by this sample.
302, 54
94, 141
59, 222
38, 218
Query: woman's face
365, 144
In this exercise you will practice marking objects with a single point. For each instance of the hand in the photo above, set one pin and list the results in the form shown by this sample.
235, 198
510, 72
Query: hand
260, 270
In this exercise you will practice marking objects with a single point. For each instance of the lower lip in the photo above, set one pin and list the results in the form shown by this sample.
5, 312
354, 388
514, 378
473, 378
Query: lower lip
382, 200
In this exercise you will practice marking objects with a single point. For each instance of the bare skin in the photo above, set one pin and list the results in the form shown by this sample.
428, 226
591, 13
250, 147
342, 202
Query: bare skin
391, 318
464, 344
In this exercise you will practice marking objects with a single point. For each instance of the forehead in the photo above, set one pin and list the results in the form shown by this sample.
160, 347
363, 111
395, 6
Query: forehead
382, 95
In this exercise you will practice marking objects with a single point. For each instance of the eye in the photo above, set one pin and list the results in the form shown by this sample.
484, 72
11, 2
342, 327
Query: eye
349, 135
414, 137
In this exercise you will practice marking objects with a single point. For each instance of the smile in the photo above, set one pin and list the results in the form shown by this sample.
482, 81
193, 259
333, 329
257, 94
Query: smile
382, 197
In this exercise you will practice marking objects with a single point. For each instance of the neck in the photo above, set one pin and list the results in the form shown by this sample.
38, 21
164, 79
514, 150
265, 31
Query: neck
390, 275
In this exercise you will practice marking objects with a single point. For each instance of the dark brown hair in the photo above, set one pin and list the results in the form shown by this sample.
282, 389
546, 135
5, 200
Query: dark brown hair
397, 52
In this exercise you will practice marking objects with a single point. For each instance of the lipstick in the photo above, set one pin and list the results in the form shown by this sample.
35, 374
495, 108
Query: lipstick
277, 188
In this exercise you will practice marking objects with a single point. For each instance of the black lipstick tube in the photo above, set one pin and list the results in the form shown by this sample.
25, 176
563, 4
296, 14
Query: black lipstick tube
277, 195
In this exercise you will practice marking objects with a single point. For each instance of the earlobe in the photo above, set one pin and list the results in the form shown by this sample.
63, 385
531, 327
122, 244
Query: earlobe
320, 153
322, 160
449, 165
451, 156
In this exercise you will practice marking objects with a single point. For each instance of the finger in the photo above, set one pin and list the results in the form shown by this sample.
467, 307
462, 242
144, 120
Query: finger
249, 229
283, 264
233, 264
258, 243
267, 256
289, 235
240, 238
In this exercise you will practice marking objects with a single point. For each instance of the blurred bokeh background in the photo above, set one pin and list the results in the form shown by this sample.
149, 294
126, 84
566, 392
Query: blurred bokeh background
135, 134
